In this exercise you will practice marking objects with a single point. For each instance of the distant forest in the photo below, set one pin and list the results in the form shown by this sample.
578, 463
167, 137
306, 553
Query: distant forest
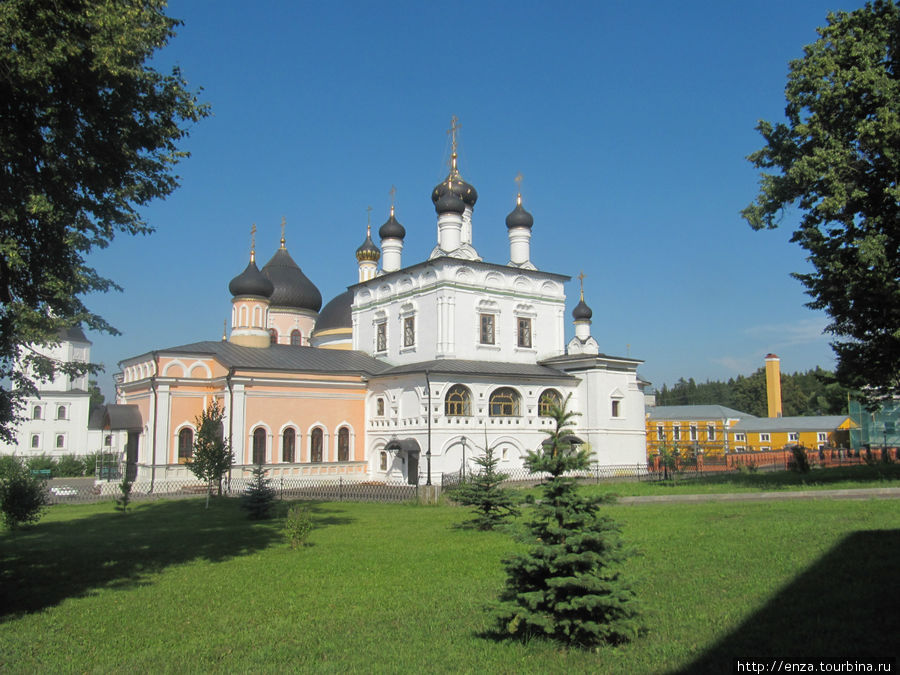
811, 393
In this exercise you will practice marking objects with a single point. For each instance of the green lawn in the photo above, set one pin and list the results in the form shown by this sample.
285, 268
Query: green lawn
397, 588
837, 478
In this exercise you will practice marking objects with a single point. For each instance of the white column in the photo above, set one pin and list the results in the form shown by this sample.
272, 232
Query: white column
391, 250
519, 245
449, 231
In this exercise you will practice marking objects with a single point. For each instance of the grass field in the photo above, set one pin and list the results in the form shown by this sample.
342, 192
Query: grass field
398, 588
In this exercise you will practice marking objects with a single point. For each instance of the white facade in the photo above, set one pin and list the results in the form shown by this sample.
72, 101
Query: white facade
56, 421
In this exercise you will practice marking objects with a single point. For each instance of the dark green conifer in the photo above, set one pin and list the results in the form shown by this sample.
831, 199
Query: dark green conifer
567, 586
493, 505
259, 497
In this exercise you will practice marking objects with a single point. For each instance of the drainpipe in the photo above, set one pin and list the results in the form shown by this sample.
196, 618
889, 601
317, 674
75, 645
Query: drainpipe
428, 453
155, 416
230, 420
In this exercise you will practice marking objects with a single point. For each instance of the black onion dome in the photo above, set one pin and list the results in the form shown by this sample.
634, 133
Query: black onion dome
450, 202
458, 186
292, 288
582, 312
392, 229
519, 217
336, 314
368, 250
251, 282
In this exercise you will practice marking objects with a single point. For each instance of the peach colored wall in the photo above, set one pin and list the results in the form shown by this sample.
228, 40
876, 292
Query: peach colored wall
275, 408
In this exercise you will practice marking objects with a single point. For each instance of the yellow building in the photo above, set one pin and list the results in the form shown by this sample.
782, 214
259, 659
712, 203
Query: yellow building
777, 433
695, 427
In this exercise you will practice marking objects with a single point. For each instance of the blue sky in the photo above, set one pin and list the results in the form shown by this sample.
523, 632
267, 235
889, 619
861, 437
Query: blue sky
630, 123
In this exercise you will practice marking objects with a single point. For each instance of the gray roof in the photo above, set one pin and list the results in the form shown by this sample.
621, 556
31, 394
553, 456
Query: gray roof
817, 423
116, 417
284, 358
484, 368
695, 412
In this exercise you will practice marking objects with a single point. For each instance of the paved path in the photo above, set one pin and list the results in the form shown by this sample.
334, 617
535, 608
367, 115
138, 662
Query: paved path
859, 493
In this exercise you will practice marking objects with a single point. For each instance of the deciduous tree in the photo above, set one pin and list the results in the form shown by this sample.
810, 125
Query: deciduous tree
88, 135
211, 455
837, 159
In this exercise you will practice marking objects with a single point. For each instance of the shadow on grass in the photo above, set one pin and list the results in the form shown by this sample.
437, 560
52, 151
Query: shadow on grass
845, 605
52, 561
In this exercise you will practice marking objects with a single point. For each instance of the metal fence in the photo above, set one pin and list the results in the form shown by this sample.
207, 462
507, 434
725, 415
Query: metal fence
73, 491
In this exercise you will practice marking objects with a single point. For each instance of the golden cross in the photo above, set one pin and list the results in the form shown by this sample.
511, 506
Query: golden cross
368, 215
283, 223
518, 180
581, 279
393, 192
253, 242
454, 127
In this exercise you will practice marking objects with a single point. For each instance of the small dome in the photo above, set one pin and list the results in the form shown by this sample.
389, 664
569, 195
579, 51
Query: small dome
369, 251
392, 229
449, 202
292, 289
251, 282
519, 217
582, 312
336, 314
457, 186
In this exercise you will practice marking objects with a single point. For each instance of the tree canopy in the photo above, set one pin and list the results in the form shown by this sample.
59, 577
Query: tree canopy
88, 135
837, 160
813, 392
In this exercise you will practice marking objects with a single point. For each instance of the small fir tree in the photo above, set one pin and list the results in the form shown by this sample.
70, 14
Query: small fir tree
259, 497
23, 496
567, 587
493, 505
124, 500
211, 456
297, 525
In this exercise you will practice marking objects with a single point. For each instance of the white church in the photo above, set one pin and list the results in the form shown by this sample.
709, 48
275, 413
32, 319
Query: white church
404, 376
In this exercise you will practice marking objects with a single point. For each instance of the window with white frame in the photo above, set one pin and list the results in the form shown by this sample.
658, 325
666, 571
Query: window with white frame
35, 441
60, 441
660, 432
523, 331
765, 437
822, 437
379, 407
409, 331
740, 438
36, 412
793, 437
61, 412
615, 408
381, 336
710, 432
676, 433
488, 334
383, 461
693, 432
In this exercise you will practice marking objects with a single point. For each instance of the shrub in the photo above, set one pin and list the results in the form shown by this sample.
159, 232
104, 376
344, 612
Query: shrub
800, 460
42, 462
749, 467
9, 464
297, 525
70, 465
22, 496
259, 497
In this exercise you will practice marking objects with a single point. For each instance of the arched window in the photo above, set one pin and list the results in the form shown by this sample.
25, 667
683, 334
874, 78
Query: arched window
458, 401
61, 412
259, 446
36, 412
343, 444
273, 336
60, 441
36, 441
379, 407
383, 461
549, 399
107, 440
185, 443
504, 402
315, 445
296, 338
288, 441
